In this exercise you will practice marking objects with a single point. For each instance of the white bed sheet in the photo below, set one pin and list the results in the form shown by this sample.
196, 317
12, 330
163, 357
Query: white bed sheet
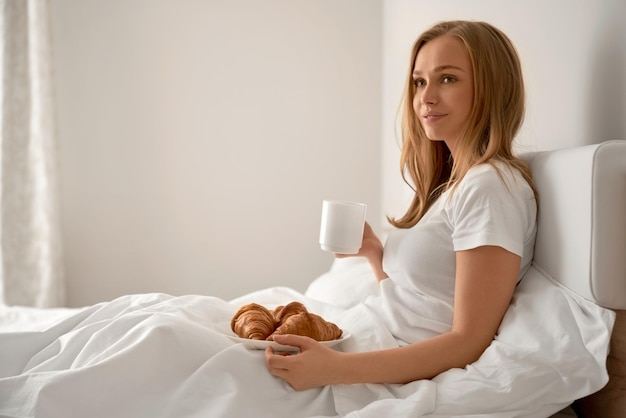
157, 356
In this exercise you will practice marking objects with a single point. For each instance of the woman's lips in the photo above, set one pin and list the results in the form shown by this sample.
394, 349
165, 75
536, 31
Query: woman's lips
433, 117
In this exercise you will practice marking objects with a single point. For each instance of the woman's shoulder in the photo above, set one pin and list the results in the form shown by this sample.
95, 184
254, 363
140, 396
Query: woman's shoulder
494, 174
496, 179
494, 190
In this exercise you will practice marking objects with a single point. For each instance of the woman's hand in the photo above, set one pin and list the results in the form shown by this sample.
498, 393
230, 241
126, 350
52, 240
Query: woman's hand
372, 249
316, 365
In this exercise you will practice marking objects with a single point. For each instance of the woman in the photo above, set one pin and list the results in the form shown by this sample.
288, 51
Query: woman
468, 235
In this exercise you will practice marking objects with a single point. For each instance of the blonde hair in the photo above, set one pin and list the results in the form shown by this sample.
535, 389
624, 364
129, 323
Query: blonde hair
495, 118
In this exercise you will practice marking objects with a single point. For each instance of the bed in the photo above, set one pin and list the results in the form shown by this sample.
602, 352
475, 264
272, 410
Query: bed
156, 355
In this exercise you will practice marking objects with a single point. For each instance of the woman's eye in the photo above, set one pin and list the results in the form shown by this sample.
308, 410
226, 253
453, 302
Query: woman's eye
448, 79
419, 82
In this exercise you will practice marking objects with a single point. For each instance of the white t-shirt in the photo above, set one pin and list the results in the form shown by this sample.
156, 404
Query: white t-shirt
417, 299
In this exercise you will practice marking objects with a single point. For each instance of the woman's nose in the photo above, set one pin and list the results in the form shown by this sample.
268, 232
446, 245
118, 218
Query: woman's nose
429, 95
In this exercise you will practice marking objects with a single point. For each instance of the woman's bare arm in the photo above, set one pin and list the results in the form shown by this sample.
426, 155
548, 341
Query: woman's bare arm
485, 281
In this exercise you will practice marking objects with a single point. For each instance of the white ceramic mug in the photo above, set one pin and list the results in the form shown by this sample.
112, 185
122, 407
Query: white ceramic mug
341, 229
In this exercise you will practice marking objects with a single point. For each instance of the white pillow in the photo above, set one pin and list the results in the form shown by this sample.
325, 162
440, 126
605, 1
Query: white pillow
348, 282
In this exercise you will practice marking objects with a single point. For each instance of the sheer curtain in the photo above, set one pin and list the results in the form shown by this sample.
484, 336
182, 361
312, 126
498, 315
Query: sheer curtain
31, 271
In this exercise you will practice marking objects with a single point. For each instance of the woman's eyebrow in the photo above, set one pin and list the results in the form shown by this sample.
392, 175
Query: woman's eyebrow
440, 69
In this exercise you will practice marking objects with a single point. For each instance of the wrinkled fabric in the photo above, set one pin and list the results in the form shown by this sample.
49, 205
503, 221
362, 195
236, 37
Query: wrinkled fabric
157, 356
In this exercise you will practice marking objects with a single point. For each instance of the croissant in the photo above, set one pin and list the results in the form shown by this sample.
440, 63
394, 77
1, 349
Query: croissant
253, 321
310, 325
281, 313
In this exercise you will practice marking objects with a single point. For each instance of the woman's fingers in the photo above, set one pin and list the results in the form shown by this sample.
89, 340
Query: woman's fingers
315, 365
298, 341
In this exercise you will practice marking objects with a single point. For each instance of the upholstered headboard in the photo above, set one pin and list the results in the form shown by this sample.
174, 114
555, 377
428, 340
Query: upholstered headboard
581, 243
581, 239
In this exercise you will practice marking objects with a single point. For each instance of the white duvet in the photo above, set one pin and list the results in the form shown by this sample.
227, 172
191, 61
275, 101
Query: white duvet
156, 355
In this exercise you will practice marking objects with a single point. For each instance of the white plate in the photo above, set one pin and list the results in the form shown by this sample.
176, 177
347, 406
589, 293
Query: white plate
262, 344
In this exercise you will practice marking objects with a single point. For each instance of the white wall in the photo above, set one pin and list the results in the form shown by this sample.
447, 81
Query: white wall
574, 59
198, 139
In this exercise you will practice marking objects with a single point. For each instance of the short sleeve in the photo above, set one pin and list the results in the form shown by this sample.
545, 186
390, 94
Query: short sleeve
491, 208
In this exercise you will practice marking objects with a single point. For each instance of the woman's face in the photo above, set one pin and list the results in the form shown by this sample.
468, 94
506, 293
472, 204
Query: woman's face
444, 89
